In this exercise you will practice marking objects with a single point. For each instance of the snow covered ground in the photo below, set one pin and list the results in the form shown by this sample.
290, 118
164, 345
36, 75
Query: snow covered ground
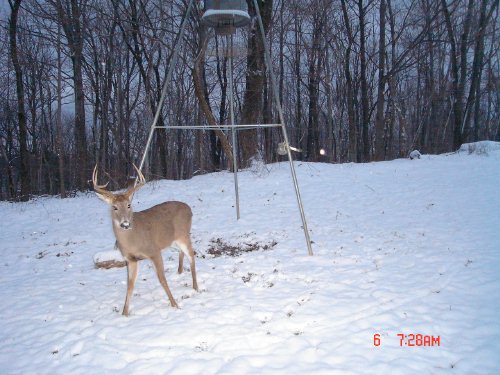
401, 247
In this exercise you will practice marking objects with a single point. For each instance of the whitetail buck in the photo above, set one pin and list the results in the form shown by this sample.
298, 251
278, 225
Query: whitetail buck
144, 234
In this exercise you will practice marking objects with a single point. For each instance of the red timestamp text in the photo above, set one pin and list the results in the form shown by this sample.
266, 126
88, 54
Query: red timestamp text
418, 339
412, 339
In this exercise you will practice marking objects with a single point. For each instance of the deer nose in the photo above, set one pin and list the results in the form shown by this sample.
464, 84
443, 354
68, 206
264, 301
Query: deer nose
125, 225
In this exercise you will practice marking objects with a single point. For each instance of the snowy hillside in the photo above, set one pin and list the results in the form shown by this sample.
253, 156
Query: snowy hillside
402, 247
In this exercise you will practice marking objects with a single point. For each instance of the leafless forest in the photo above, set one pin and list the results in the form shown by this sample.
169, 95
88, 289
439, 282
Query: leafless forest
363, 80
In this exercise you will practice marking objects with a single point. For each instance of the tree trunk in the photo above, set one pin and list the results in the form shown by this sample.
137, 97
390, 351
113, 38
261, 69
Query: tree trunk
331, 146
255, 76
59, 130
365, 105
298, 92
474, 97
72, 22
351, 118
199, 89
315, 66
80, 133
11, 191
267, 117
391, 82
458, 71
380, 141
21, 114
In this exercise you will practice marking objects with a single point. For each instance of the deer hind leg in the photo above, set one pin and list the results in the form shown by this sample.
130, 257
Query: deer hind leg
131, 277
187, 249
158, 264
181, 261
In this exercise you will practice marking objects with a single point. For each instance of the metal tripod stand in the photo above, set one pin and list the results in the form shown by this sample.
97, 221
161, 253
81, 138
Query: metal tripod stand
234, 127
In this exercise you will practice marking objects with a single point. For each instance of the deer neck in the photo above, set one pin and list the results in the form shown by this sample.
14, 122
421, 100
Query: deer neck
129, 238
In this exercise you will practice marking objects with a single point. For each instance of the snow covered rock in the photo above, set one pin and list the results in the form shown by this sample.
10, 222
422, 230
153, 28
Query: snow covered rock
480, 148
415, 154
109, 259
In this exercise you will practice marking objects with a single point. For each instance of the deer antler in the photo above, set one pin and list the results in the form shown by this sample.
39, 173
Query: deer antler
142, 180
138, 184
101, 189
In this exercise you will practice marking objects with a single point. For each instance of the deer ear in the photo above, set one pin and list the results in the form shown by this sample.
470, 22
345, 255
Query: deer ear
104, 197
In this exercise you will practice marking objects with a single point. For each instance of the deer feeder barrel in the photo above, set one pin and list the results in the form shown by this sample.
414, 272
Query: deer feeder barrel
225, 14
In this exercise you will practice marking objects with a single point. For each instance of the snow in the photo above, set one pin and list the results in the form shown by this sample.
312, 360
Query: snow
107, 256
400, 247
482, 147
225, 12
214, 16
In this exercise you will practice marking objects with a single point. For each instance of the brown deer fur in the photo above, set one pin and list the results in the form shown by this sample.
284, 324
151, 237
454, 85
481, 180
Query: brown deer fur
144, 234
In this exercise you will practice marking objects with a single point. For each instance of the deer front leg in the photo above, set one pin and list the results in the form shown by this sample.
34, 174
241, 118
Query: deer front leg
158, 264
131, 277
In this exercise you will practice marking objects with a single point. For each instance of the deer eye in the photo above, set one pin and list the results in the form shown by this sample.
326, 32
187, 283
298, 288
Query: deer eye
115, 208
128, 205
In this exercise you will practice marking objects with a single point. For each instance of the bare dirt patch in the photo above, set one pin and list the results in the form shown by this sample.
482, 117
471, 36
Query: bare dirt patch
218, 247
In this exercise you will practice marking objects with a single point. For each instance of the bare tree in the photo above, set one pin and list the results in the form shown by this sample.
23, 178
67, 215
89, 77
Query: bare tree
365, 103
350, 100
362, 79
72, 16
316, 62
24, 169
474, 97
458, 66
380, 136
255, 76
202, 96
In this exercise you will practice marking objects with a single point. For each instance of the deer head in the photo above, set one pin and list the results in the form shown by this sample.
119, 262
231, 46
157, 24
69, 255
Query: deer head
121, 203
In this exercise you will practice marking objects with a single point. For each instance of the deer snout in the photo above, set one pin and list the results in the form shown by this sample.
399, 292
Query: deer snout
125, 224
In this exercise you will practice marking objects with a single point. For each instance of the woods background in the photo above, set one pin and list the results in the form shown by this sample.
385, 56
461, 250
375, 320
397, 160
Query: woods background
364, 80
